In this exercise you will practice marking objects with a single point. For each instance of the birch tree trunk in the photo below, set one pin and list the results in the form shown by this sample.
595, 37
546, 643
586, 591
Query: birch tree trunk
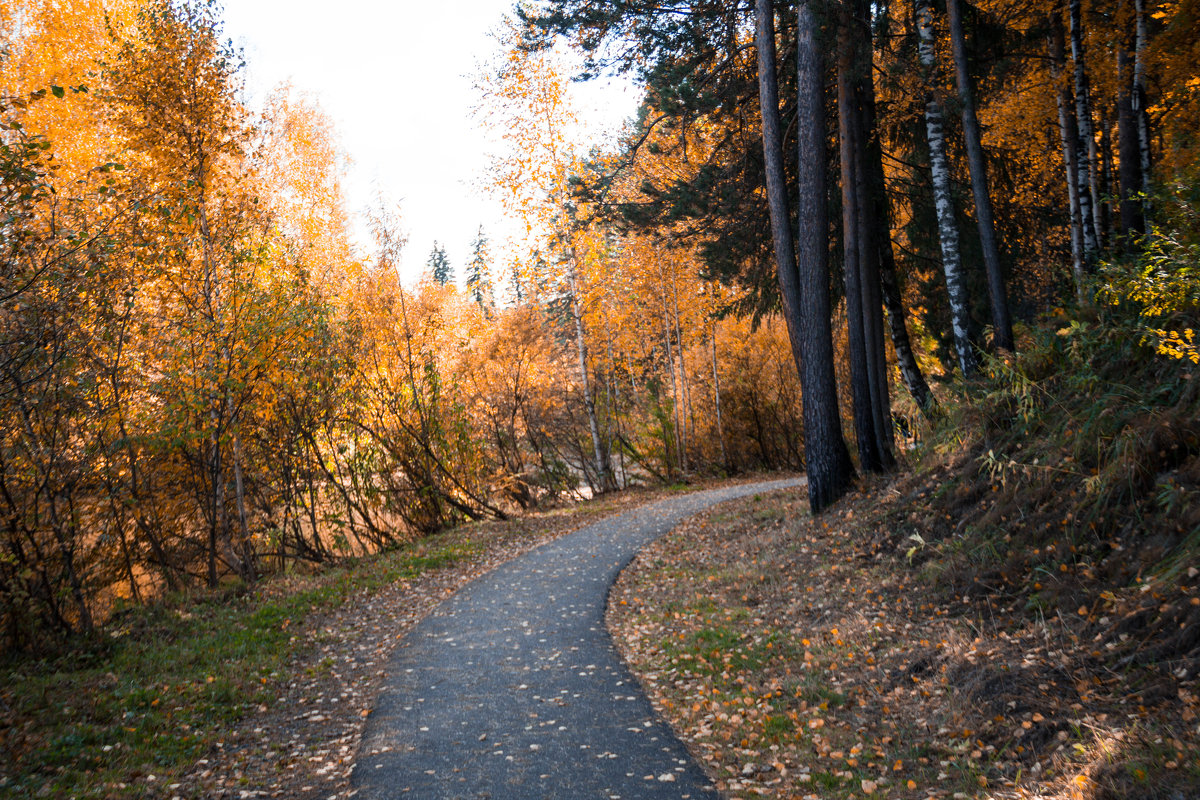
1085, 152
1139, 95
688, 415
675, 410
425, 417
620, 477
717, 398
997, 293
1069, 135
602, 480
247, 552
804, 285
217, 531
952, 267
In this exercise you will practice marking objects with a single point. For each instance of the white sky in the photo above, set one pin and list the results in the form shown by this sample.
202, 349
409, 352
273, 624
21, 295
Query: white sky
396, 78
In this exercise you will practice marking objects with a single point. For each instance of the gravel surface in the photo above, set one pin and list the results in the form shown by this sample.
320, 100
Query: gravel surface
512, 688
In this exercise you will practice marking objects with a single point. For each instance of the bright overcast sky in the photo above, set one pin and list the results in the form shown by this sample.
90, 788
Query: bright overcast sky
396, 78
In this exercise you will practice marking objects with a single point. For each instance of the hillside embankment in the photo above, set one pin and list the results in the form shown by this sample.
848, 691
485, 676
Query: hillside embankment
1014, 613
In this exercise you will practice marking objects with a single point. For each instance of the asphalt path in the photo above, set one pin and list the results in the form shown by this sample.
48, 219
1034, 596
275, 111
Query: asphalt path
512, 688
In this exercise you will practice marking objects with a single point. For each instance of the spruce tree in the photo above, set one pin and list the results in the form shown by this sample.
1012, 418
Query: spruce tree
439, 265
479, 277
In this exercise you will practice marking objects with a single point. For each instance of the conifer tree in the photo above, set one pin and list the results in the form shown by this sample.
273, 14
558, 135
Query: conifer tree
439, 266
802, 268
479, 277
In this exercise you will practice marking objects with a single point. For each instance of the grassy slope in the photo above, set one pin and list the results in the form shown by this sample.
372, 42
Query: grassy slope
1018, 614
159, 693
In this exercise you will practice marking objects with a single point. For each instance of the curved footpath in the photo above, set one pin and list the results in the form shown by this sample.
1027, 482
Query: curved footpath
512, 688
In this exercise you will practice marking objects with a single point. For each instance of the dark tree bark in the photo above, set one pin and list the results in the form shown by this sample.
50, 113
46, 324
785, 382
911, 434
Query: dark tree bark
870, 235
869, 457
804, 288
1105, 180
997, 293
1132, 223
869, 258
872, 410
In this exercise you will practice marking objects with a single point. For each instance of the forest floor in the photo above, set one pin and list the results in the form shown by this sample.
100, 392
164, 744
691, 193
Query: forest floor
852, 656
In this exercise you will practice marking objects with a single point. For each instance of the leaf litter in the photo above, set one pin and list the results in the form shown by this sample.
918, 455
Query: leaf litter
806, 658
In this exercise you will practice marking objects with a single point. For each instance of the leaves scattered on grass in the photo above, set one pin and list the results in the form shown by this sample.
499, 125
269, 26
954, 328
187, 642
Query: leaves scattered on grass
811, 658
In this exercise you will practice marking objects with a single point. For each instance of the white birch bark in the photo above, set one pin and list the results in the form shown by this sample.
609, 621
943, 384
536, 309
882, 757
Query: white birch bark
997, 292
675, 411
588, 402
688, 415
1069, 136
1139, 92
620, 476
717, 398
1069, 152
1085, 151
952, 267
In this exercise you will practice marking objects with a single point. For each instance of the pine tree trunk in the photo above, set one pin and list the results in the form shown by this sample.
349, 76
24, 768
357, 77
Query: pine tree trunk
997, 293
804, 285
869, 457
952, 267
869, 235
877, 368
1069, 135
1106, 176
1132, 223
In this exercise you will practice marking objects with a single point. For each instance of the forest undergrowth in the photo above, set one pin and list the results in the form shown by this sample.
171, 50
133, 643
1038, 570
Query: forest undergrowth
1015, 613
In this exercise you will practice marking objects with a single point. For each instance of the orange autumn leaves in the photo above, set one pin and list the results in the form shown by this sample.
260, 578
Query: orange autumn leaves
208, 383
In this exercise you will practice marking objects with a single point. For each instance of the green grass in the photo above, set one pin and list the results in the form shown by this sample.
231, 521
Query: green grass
717, 648
777, 727
163, 688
